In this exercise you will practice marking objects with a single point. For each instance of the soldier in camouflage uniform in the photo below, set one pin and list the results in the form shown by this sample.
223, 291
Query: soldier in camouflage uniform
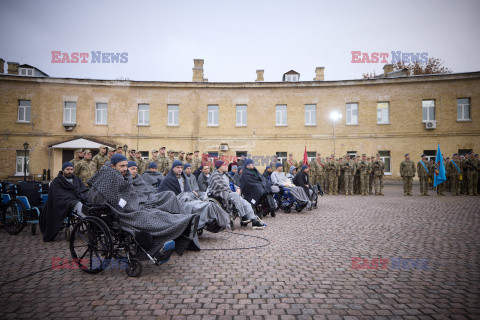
423, 171
181, 156
196, 162
163, 160
131, 155
378, 167
370, 177
141, 164
471, 171
100, 158
365, 170
78, 157
356, 176
170, 158
349, 169
476, 174
189, 159
334, 171
448, 183
155, 158
327, 175
119, 149
455, 173
290, 162
85, 169
341, 175
407, 172
317, 167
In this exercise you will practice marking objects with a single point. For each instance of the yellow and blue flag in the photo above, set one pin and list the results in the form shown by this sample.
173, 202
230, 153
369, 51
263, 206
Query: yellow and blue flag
440, 176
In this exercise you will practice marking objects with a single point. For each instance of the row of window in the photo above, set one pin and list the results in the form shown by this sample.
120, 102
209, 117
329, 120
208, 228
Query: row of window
351, 111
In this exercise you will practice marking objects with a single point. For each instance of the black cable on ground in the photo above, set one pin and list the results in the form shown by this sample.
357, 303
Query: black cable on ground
242, 248
26, 276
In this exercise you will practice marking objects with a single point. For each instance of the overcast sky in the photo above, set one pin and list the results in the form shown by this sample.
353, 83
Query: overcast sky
235, 38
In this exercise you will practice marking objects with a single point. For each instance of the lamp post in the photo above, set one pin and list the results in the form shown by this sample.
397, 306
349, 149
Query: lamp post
335, 116
125, 148
25, 148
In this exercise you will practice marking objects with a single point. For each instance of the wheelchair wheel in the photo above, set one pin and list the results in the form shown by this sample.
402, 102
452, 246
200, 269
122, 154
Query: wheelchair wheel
134, 267
287, 209
14, 216
298, 207
91, 245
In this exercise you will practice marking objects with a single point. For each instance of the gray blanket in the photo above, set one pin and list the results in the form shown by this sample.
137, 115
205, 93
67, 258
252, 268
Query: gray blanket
152, 177
162, 216
205, 209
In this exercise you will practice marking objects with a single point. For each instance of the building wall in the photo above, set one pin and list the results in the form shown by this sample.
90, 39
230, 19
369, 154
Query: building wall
405, 133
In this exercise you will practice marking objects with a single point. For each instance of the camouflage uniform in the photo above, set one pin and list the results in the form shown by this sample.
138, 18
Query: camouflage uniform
356, 178
455, 176
448, 183
407, 171
288, 164
99, 160
349, 169
84, 169
196, 163
471, 171
365, 170
371, 177
378, 173
423, 176
75, 160
318, 172
141, 165
334, 171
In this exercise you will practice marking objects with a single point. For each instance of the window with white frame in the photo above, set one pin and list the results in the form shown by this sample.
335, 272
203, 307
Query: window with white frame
70, 112
310, 115
428, 110
282, 156
143, 114
383, 113
173, 112
385, 157
24, 108
22, 159
101, 113
25, 72
281, 115
213, 115
311, 155
351, 113
291, 77
463, 109
241, 115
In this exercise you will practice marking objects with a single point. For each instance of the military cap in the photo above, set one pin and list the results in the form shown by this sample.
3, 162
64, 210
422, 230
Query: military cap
205, 152
290, 154
88, 151
181, 151
154, 150
162, 148
171, 151
130, 150
138, 151
189, 153
196, 151
378, 154
364, 154
78, 151
102, 146
119, 147
372, 157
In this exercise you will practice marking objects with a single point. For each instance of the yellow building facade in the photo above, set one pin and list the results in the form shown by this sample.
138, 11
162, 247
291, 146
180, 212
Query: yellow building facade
386, 115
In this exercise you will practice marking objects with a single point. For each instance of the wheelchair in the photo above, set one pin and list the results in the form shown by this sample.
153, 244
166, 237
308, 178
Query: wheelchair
285, 201
230, 208
98, 242
265, 205
22, 204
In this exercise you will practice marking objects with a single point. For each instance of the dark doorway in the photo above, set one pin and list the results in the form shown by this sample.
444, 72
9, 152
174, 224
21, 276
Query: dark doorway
67, 155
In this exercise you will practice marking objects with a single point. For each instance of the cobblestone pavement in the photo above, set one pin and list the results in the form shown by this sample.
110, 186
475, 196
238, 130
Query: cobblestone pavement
305, 273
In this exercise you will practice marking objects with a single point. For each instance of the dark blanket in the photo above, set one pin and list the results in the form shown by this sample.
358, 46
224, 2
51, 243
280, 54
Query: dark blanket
152, 177
163, 217
253, 185
202, 182
62, 197
171, 183
301, 180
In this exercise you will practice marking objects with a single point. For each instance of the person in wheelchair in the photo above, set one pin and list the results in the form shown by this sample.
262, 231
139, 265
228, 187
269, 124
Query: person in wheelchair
212, 217
302, 180
66, 192
152, 176
219, 186
162, 218
280, 179
192, 181
255, 187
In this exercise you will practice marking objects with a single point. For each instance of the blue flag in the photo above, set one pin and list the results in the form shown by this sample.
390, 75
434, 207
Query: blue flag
440, 176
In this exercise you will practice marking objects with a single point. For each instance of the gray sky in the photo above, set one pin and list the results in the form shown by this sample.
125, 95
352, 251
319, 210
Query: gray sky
235, 38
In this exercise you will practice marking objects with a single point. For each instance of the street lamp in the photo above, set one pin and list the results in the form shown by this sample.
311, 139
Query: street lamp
125, 148
25, 148
335, 116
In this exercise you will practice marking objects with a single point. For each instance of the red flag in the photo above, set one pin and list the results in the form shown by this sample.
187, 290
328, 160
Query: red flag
305, 157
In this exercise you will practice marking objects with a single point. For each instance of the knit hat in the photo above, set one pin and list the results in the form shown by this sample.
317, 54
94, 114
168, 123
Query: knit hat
116, 158
304, 167
66, 165
132, 164
248, 161
152, 165
219, 163
268, 167
177, 163
186, 165
278, 164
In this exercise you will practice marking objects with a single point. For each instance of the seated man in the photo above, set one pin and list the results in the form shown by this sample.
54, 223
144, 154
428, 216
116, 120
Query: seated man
66, 192
301, 179
220, 187
210, 213
152, 176
291, 174
237, 176
203, 178
163, 218
233, 171
192, 181
280, 179
253, 184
